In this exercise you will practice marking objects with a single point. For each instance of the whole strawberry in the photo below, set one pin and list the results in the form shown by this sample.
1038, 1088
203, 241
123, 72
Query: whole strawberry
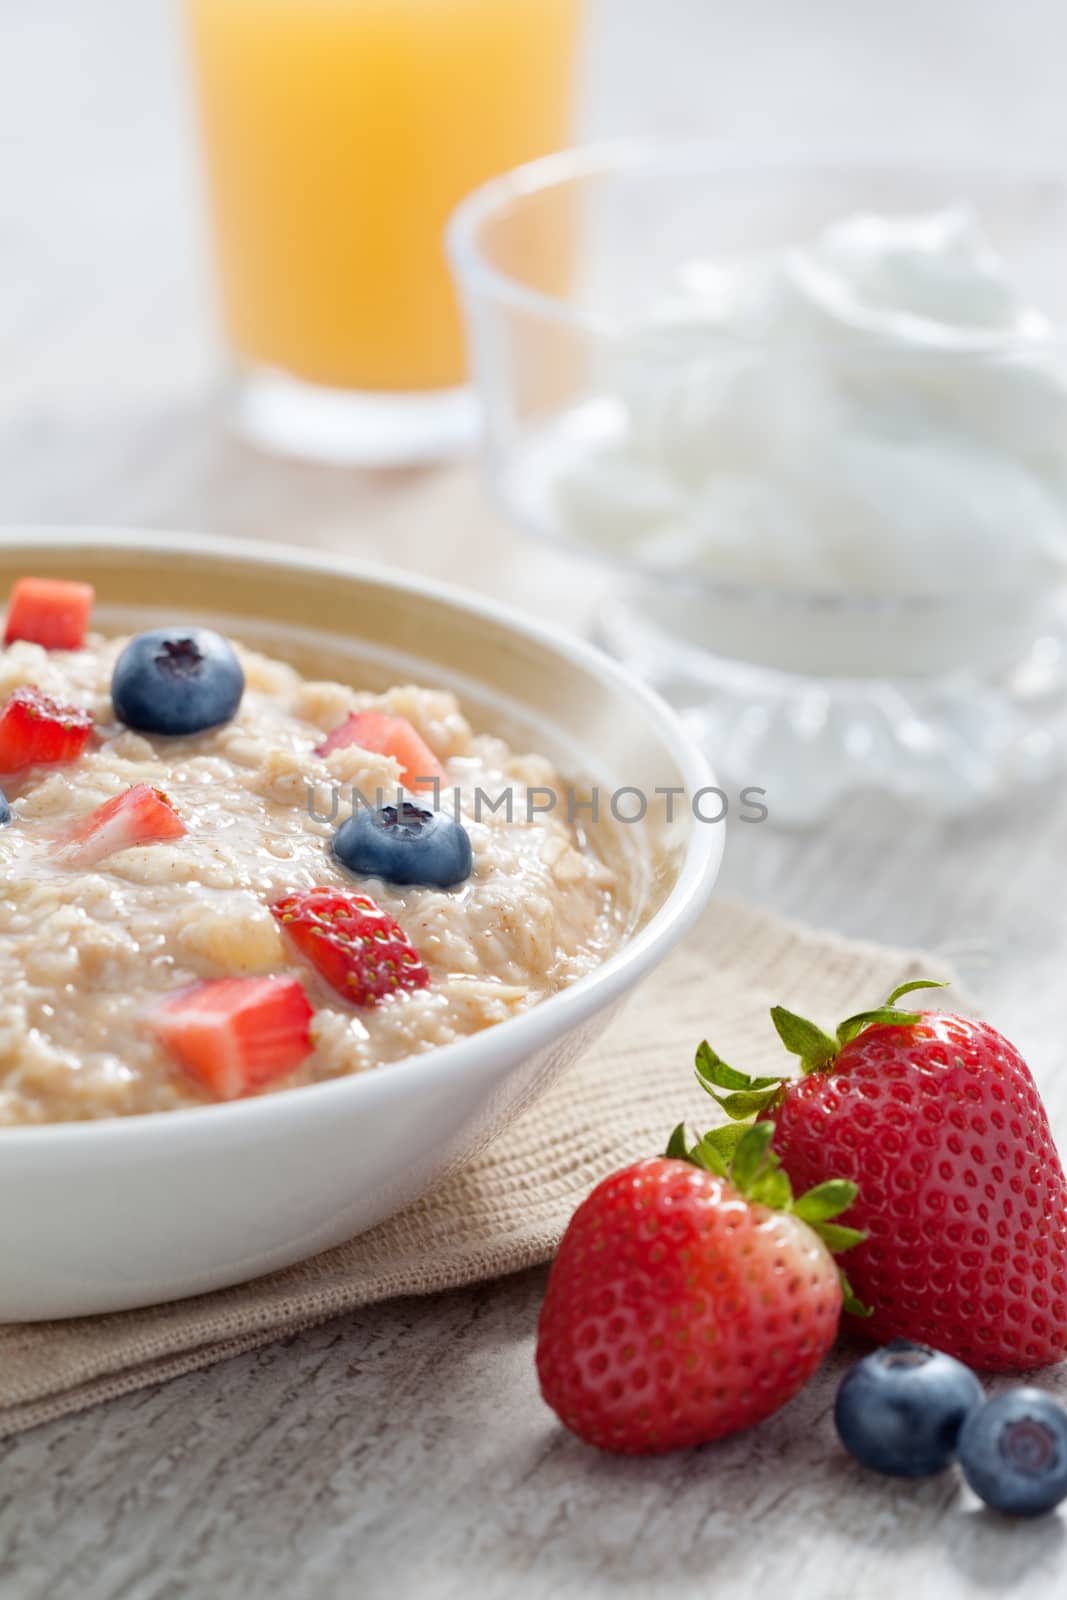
962, 1196
684, 1303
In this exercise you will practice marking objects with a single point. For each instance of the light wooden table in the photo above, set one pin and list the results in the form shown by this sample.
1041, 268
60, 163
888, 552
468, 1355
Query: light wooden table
404, 1451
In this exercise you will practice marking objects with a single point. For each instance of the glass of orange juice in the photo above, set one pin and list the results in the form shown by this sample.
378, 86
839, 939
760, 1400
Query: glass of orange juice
339, 135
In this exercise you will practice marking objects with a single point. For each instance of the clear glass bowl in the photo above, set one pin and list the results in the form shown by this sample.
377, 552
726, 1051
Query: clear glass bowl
920, 648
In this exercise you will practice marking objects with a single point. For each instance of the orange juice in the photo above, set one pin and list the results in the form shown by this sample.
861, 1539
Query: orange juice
339, 136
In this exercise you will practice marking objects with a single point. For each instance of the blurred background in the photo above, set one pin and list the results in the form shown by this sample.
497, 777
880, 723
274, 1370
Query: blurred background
109, 348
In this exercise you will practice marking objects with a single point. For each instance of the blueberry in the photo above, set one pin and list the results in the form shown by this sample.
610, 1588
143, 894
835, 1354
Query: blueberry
177, 680
408, 843
5, 810
1013, 1451
900, 1409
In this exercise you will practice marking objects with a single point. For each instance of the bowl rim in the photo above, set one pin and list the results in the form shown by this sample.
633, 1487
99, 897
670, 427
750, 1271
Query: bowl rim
551, 1018
636, 155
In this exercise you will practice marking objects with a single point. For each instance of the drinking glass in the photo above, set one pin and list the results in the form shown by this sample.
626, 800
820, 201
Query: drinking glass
338, 136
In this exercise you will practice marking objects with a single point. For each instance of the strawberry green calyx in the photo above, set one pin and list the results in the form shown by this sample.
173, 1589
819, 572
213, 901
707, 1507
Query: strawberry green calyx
818, 1051
744, 1155
746, 1096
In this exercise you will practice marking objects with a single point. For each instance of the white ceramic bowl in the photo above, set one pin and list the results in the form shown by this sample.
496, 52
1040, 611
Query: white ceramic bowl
101, 1216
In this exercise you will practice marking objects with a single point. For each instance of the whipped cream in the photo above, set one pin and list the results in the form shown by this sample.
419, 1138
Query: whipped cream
879, 411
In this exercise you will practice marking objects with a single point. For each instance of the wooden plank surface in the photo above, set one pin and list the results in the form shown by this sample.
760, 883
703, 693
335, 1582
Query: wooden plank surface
405, 1451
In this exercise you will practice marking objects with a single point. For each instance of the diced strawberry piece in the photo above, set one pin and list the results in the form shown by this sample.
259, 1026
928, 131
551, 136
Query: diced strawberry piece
35, 731
49, 611
359, 950
234, 1035
385, 735
141, 815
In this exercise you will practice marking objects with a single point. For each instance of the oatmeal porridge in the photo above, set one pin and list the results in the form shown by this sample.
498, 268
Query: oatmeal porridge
220, 878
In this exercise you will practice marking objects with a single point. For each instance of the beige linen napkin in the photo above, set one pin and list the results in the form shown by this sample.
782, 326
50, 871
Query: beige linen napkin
507, 1209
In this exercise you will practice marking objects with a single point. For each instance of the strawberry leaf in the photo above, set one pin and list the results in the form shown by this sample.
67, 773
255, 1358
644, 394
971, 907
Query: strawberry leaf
703, 1154
706, 1155
888, 1015
726, 1139
836, 1238
744, 1105
851, 1304
750, 1154
909, 988
712, 1069
771, 1188
676, 1145
802, 1038
713, 1151
826, 1200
